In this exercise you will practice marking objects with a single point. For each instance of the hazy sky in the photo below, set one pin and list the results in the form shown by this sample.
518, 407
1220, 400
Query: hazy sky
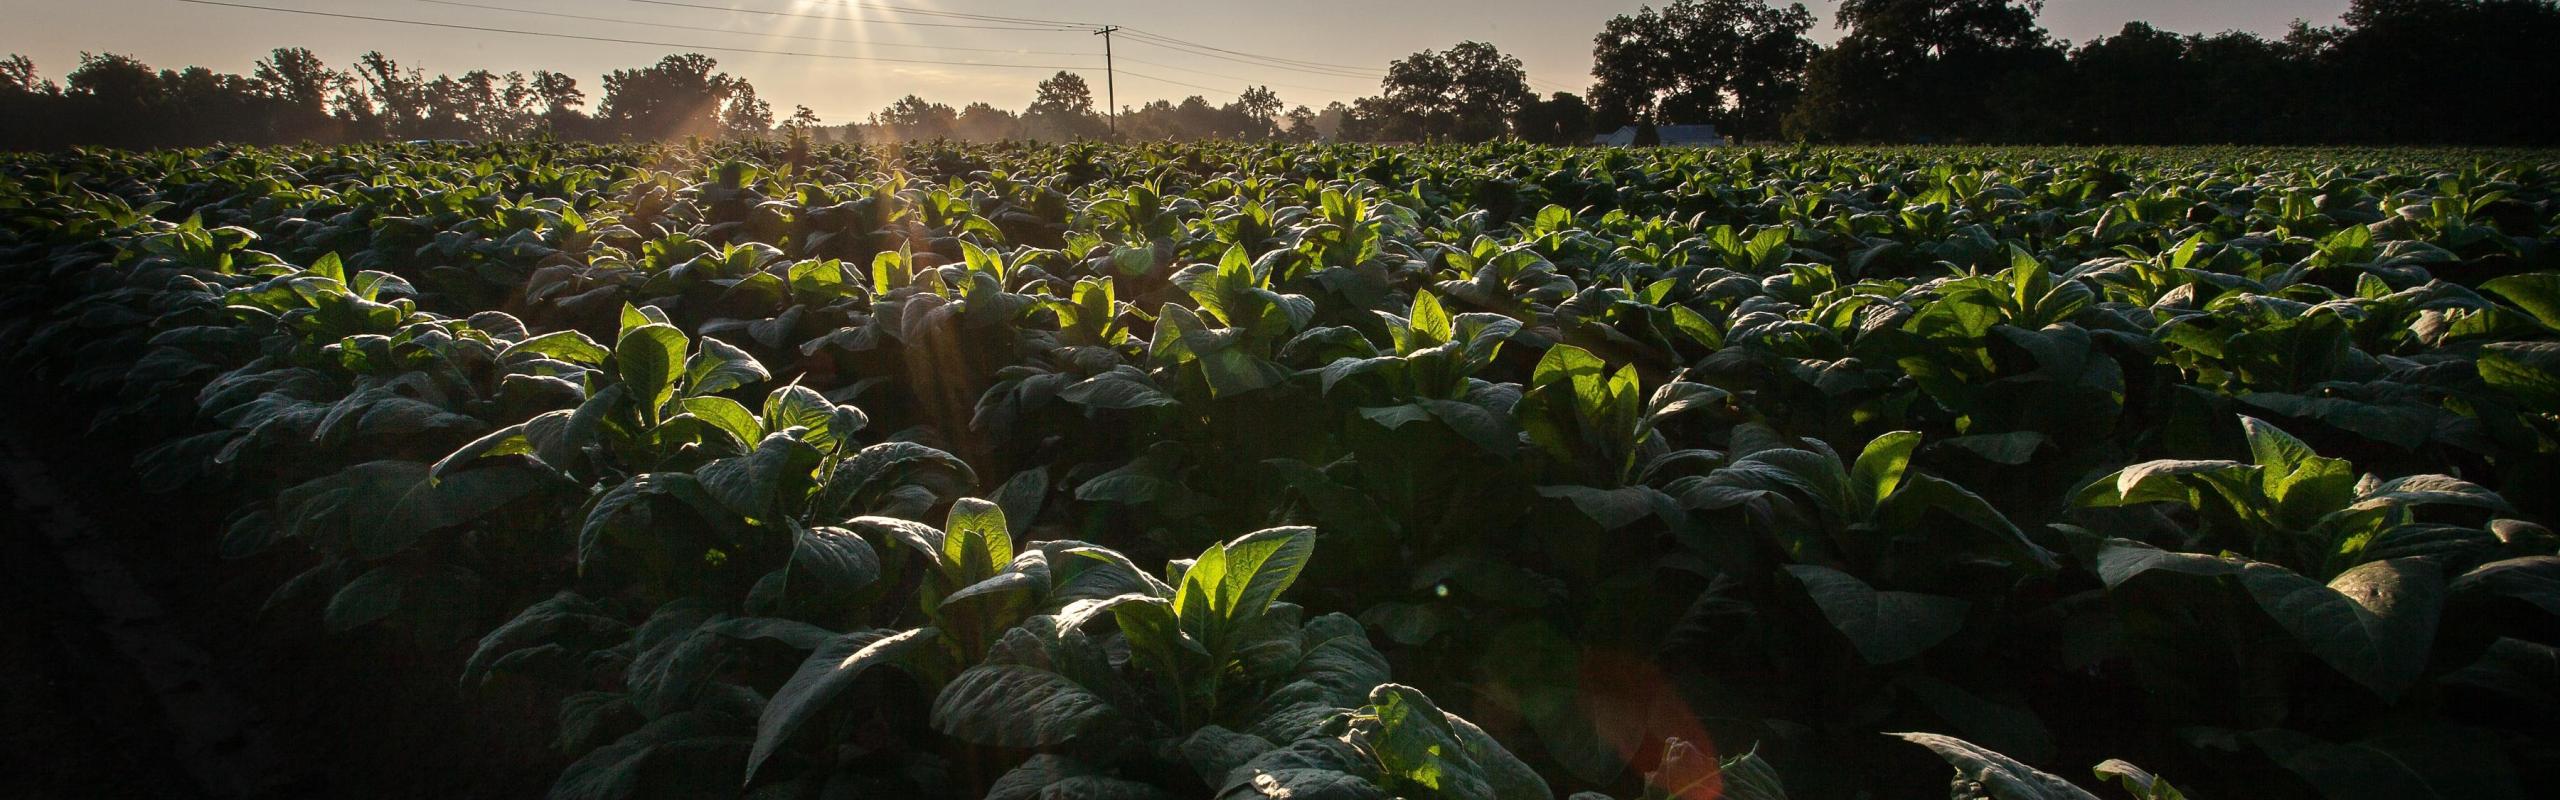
1553, 38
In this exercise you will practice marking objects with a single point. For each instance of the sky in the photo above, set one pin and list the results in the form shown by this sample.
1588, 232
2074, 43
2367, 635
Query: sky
1333, 49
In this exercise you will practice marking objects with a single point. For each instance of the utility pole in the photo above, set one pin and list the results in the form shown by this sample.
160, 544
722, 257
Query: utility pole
1110, 80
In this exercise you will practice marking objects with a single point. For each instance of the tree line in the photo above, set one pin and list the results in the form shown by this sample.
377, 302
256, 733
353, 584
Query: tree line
1982, 71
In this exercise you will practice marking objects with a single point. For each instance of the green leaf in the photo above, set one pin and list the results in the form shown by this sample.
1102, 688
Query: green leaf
1241, 577
2001, 777
368, 599
2140, 782
569, 346
1415, 743
1878, 471
2528, 370
1885, 627
2537, 293
2409, 762
1055, 777
1017, 705
824, 675
1315, 767
649, 359
727, 415
976, 540
2158, 482
2374, 623
718, 366
1431, 324
638, 316
827, 564
1688, 774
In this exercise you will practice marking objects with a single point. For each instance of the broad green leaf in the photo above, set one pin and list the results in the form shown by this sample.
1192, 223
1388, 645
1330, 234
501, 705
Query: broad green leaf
569, 346
1885, 627
1431, 324
1055, 777
824, 675
2001, 777
1261, 565
1414, 741
976, 540
1878, 471
717, 366
2374, 623
2138, 781
1017, 705
2408, 762
826, 565
726, 415
650, 358
2538, 293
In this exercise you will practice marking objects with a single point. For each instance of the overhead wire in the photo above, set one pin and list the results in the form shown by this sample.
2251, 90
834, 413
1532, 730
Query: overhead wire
618, 40
865, 42
1234, 77
935, 12
966, 25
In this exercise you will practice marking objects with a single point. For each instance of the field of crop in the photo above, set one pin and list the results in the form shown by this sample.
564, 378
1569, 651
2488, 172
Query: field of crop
1261, 471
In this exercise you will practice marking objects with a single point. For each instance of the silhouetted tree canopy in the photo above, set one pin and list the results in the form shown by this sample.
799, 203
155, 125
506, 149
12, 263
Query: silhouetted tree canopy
1734, 63
2392, 72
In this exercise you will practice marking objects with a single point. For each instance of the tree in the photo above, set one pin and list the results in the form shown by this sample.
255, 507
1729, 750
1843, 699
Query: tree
559, 93
1736, 63
912, 118
2454, 71
1262, 106
1468, 93
2134, 86
18, 76
1302, 125
980, 122
116, 80
398, 99
1936, 70
1063, 109
677, 97
1562, 118
744, 115
1064, 93
298, 76
802, 119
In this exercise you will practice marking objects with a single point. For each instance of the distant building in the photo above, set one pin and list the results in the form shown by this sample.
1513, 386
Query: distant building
1670, 136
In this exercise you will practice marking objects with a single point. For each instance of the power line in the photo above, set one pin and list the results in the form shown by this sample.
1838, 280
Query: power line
769, 13
1188, 50
1308, 64
1237, 78
1174, 82
615, 40
929, 12
865, 42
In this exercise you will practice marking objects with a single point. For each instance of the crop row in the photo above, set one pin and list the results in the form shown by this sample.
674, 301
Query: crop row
925, 472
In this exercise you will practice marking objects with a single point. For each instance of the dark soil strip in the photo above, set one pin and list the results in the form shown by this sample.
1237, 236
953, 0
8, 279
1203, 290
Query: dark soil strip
86, 636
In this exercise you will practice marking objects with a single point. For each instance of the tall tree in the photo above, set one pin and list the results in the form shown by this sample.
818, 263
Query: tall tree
559, 93
1736, 63
1936, 70
18, 76
679, 96
913, 117
1467, 93
298, 77
1562, 118
745, 115
1261, 105
1063, 109
398, 97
